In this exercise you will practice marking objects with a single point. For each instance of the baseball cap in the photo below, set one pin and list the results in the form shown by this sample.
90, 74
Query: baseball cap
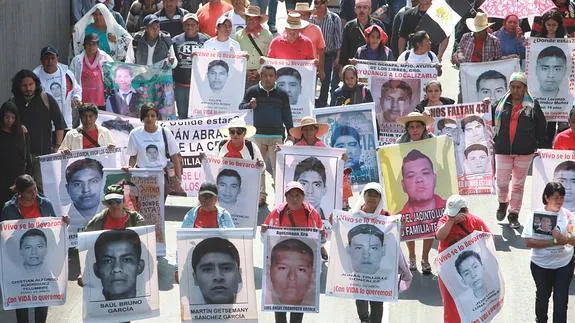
223, 19
150, 19
293, 185
48, 50
454, 204
114, 191
190, 16
208, 188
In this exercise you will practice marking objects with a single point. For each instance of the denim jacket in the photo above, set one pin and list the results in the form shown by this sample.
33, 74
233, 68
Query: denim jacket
224, 218
11, 211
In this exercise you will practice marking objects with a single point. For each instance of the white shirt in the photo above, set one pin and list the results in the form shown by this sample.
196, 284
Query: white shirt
229, 45
238, 22
140, 139
416, 59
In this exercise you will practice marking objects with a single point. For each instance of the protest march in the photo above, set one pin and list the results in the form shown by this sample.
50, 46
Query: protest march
284, 161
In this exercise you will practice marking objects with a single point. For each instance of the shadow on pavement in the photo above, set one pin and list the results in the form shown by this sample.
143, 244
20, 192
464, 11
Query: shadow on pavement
427, 291
165, 274
509, 238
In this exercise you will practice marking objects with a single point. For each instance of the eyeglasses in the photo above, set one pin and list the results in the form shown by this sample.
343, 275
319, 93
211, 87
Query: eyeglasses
114, 201
238, 131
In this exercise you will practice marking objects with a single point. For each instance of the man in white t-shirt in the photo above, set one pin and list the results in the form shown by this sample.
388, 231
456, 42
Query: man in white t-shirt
59, 81
222, 42
237, 16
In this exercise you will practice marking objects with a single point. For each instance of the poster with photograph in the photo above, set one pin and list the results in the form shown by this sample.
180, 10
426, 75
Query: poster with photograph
469, 126
129, 86
396, 89
120, 127
418, 178
353, 128
553, 166
132, 296
74, 184
238, 182
287, 250
486, 79
471, 274
364, 257
297, 78
143, 193
205, 299
319, 170
33, 263
217, 78
551, 75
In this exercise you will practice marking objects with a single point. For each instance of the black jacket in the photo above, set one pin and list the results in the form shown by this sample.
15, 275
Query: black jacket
273, 110
444, 101
530, 133
343, 93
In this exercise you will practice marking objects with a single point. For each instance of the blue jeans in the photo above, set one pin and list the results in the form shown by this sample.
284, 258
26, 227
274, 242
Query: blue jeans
272, 12
263, 4
182, 101
327, 81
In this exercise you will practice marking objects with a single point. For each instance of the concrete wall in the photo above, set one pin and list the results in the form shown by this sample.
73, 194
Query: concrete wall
27, 26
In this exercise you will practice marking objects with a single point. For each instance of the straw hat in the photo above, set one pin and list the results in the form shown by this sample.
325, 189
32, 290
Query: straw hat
323, 128
302, 7
294, 21
415, 116
255, 11
238, 123
478, 23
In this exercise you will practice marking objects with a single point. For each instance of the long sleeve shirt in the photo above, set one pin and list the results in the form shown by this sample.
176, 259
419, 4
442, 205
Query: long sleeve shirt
272, 112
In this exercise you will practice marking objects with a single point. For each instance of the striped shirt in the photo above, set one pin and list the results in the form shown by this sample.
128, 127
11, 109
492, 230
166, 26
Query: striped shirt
331, 29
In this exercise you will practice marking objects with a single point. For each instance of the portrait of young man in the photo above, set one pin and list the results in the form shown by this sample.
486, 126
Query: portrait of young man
564, 173
289, 80
491, 84
125, 99
473, 130
471, 271
218, 72
33, 251
365, 248
310, 173
395, 101
476, 159
551, 68
419, 182
229, 184
85, 187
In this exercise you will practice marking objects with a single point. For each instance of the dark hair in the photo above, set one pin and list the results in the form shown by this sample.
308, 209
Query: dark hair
111, 236
118, 124
433, 82
17, 81
490, 75
147, 107
90, 38
464, 255
310, 164
289, 71
82, 164
365, 229
552, 15
552, 188
151, 147
571, 112
22, 183
10, 107
402, 85
268, 67
226, 172
416, 38
552, 51
443, 122
33, 233
343, 130
566, 165
214, 245
470, 119
124, 67
349, 68
475, 147
414, 155
219, 62
293, 245
88, 107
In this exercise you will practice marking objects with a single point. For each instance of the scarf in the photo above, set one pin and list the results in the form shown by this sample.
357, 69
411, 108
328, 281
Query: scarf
526, 107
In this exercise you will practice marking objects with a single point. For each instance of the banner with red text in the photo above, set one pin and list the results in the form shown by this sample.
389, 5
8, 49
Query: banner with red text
471, 274
364, 257
470, 128
34, 258
553, 166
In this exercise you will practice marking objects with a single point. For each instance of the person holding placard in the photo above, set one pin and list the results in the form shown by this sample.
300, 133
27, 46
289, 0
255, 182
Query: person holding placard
370, 204
552, 261
115, 215
456, 224
350, 92
433, 96
89, 134
565, 140
221, 41
208, 214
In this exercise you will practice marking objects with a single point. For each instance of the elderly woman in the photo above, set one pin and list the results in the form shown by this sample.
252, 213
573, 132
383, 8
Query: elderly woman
433, 96
420, 51
375, 48
350, 92
511, 38
415, 125
519, 129
370, 204
456, 224
552, 260
89, 134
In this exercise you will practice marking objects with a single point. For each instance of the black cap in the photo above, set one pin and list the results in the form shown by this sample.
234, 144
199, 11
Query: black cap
150, 19
48, 50
208, 188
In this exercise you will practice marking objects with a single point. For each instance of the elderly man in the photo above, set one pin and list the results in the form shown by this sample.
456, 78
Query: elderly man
292, 44
488, 46
54, 75
312, 32
209, 14
170, 17
151, 45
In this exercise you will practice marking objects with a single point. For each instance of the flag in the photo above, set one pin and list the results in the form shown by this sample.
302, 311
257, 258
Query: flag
441, 18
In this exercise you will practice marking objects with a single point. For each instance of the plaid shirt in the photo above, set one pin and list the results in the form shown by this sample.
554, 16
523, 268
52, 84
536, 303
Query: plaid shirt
331, 29
491, 48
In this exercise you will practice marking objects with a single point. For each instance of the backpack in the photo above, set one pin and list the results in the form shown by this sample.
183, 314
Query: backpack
428, 55
249, 146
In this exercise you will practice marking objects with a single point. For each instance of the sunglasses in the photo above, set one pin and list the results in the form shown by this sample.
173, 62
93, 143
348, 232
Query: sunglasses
114, 201
239, 131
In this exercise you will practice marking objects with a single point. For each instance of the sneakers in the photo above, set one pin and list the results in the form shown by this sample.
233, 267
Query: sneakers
425, 268
513, 219
501, 211
412, 264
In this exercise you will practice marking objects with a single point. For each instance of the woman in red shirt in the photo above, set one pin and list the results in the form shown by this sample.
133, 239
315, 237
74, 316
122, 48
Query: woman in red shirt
565, 140
456, 224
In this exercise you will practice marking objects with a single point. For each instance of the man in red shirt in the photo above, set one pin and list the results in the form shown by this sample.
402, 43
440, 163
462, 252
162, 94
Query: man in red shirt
565, 140
292, 44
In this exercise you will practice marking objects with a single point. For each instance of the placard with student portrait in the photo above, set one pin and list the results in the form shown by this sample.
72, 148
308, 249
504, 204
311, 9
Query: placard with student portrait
111, 294
486, 79
287, 250
553, 166
201, 252
33, 262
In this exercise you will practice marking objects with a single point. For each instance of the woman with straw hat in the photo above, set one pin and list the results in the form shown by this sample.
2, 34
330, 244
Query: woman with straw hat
308, 133
415, 125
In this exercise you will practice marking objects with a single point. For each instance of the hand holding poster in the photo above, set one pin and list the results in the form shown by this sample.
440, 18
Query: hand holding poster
238, 182
471, 274
33, 262
106, 298
205, 299
287, 250
557, 166
353, 128
486, 79
350, 273
297, 79
396, 88
470, 128
73, 183
419, 176
143, 193
218, 82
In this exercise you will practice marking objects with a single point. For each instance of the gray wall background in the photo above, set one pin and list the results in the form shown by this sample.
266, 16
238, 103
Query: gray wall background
27, 26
